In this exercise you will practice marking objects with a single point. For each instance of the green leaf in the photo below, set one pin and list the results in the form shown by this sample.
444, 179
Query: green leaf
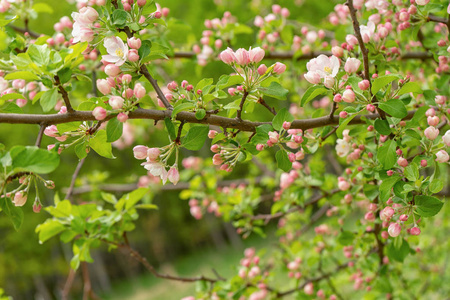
132, 198
274, 90
11, 108
100, 145
386, 154
146, 206
282, 116
26, 75
398, 250
203, 83
346, 238
227, 81
343, 125
64, 75
436, 185
80, 150
170, 128
195, 138
119, 17
40, 54
48, 99
427, 206
312, 93
49, 229
410, 87
182, 107
145, 49
382, 126
382, 81
5, 20
200, 114
33, 159
395, 108
63, 209
114, 130
371, 191
262, 134
14, 213
412, 172
283, 161
386, 186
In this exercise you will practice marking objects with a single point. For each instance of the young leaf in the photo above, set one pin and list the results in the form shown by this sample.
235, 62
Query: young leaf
382, 127
312, 93
48, 99
427, 206
282, 116
100, 145
274, 90
386, 154
394, 107
14, 213
114, 130
195, 138
283, 161
33, 159
382, 81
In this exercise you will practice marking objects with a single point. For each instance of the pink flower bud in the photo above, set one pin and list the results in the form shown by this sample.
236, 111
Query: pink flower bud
232, 91
153, 154
403, 218
442, 156
352, 65
212, 134
431, 133
126, 78
227, 56
172, 86
140, 152
217, 159
262, 69
286, 125
273, 137
215, 148
139, 91
99, 113
343, 114
440, 100
387, 213
337, 51
373, 207
279, 68
134, 43
116, 102
51, 131
369, 216
348, 96
343, 185
337, 98
312, 77
133, 55
256, 54
433, 121
141, 3
415, 230
20, 198
309, 288
103, 86
242, 57
37, 207
394, 230
364, 85
122, 117
402, 162
260, 147
173, 175
112, 70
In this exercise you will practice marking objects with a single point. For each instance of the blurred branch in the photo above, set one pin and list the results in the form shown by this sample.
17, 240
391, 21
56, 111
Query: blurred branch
68, 284
40, 135
74, 178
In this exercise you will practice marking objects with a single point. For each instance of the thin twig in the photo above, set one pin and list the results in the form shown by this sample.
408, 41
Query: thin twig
263, 103
241, 105
40, 135
143, 70
74, 177
68, 284
64, 94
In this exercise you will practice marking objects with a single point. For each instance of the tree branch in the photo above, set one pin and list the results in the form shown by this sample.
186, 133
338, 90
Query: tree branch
40, 135
188, 117
263, 103
64, 94
143, 70
241, 105
74, 177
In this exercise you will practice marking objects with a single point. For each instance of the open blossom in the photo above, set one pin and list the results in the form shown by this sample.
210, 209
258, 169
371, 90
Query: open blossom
322, 66
117, 51
431, 133
367, 32
342, 147
256, 54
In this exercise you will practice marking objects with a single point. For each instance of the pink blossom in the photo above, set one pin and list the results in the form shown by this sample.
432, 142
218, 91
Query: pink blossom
20, 198
348, 96
343, 185
431, 133
242, 57
103, 86
352, 65
139, 91
256, 54
153, 154
312, 77
387, 213
367, 32
117, 50
415, 230
446, 138
262, 69
134, 43
279, 68
173, 175
342, 147
99, 113
324, 66
402, 162
273, 137
51, 131
116, 102
394, 230
422, 2
140, 152
442, 156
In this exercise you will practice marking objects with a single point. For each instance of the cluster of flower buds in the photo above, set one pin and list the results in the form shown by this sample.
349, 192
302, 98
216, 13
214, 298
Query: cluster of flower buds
271, 26
19, 86
198, 207
402, 214
79, 134
157, 161
83, 24
185, 91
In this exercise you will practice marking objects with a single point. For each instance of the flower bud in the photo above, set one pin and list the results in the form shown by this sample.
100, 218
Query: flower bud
112, 70
431, 133
99, 113
364, 85
139, 91
140, 152
348, 96
212, 134
103, 86
122, 117
20, 198
134, 43
262, 69
116, 102
442, 156
394, 230
279, 68
173, 175
153, 154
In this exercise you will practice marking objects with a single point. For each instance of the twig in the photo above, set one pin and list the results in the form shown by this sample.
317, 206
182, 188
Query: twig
40, 135
330, 133
180, 129
23, 30
88, 293
263, 103
68, 284
241, 105
64, 94
74, 177
143, 70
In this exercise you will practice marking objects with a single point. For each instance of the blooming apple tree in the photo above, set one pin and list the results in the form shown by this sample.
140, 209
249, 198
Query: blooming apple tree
340, 134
